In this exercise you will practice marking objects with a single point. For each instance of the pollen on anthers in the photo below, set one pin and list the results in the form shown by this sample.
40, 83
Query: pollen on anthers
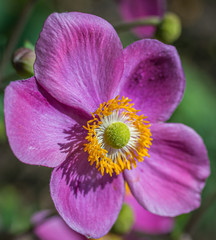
117, 137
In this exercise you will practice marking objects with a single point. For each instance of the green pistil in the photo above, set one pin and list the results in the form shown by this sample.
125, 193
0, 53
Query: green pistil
117, 135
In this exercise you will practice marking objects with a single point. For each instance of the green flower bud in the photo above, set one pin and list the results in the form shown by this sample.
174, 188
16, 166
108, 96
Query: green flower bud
169, 30
23, 60
124, 221
28, 44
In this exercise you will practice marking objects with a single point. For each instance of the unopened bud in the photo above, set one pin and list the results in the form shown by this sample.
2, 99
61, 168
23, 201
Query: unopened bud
124, 221
23, 60
169, 30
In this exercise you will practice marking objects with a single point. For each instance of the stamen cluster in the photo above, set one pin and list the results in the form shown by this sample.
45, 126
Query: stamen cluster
106, 158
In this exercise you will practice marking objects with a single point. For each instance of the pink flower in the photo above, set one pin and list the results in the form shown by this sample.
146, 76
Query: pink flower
53, 228
80, 64
135, 9
147, 222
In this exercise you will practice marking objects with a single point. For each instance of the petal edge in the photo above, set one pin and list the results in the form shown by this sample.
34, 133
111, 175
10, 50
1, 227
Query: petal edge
171, 181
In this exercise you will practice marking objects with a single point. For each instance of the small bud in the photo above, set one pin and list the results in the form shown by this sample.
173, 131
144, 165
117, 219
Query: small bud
124, 221
23, 60
169, 30
28, 44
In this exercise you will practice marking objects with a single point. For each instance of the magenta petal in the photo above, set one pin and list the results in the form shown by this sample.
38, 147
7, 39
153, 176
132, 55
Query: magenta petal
146, 221
79, 59
134, 9
54, 228
38, 127
153, 78
171, 181
87, 201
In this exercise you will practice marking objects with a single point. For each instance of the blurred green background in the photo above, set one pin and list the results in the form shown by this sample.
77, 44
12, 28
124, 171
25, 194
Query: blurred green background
24, 189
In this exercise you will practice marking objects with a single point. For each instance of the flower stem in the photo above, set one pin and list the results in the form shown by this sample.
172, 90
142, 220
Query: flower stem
150, 21
15, 35
191, 224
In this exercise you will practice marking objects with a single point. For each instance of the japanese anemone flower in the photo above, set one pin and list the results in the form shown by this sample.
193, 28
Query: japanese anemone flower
134, 9
69, 116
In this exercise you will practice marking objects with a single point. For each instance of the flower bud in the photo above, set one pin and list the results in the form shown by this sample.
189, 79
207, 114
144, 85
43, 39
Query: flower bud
170, 28
23, 60
124, 221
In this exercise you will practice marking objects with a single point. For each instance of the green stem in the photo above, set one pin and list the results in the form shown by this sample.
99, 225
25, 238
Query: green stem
150, 21
191, 224
16, 35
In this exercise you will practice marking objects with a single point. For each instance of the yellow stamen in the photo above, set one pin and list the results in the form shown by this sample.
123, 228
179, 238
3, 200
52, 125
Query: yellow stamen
105, 158
127, 189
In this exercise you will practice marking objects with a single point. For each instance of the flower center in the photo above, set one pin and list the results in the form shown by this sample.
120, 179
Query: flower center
117, 137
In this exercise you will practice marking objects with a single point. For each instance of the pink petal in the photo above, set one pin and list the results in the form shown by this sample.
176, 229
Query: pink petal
41, 131
79, 59
153, 78
87, 201
54, 228
171, 181
146, 221
134, 9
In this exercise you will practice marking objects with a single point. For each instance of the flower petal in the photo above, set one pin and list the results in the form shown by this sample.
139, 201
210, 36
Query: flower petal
171, 181
79, 59
153, 78
146, 221
41, 131
54, 228
87, 201
134, 9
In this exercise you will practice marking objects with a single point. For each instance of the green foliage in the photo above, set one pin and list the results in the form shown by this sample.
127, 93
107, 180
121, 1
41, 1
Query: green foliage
14, 214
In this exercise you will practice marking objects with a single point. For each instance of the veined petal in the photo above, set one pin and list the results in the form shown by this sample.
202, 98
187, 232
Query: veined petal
171, 181
79, 59
153, 78
135, 9
87, 201
40, 130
